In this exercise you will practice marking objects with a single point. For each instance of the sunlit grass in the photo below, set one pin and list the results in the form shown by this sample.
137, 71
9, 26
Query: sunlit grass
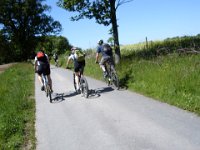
17, 107
172, 79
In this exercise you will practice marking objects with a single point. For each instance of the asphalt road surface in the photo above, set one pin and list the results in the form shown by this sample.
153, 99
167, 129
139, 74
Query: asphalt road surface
109, 119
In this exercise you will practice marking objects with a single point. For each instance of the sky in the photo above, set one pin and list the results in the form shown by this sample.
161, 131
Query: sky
138, 19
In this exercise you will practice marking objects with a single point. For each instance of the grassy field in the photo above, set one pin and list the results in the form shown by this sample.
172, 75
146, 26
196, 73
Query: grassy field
173, 79
17, 108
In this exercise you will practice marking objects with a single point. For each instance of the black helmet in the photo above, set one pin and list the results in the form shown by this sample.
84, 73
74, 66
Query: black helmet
100, 42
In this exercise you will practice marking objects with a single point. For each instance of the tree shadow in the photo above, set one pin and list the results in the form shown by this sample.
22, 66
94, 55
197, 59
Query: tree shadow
127, 76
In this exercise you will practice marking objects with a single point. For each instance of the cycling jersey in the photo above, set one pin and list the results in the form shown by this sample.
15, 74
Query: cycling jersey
43, 66
78, 66
106, 56
100, 49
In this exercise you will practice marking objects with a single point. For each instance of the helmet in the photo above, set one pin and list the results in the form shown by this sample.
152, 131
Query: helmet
100, 42
73, 48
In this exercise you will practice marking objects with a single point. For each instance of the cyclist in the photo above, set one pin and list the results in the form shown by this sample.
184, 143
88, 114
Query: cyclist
42, 66
55, 57
106, 52
78, 57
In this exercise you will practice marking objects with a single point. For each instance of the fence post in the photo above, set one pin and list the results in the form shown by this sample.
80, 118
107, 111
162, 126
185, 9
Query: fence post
147, 47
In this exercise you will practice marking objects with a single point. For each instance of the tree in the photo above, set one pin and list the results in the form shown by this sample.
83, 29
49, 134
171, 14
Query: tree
52, 44
25, 20
104, 11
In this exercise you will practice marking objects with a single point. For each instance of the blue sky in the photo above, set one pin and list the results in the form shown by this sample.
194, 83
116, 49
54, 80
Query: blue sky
154, 19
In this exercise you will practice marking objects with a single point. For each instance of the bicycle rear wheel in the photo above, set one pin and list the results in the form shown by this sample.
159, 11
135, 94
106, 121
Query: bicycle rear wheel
84, 87
49, 93
75, 85
114, 80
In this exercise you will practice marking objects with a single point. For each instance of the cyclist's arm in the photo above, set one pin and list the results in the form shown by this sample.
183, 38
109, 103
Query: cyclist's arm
68, 61
98, 51
97, 57
36, 64
47, 58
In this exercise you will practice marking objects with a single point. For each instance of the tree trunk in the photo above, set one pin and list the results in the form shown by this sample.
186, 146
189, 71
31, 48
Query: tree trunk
115, 32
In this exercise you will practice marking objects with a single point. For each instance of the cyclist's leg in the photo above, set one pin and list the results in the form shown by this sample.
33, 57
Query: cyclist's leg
76, 70
112, 64
48, 72
102, 64
39, 72
81, 67
50, 81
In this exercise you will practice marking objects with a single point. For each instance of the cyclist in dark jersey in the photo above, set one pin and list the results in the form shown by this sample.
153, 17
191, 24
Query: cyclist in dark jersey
42, 66
106, 52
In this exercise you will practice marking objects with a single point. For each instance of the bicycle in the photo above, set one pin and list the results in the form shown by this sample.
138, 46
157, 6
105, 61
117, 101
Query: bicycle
47, 88
83, 85
111, 78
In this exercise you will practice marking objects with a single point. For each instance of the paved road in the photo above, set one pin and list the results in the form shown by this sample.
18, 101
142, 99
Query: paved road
109, 120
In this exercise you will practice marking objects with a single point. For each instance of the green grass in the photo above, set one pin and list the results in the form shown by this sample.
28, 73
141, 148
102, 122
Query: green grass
172, 79
17, 107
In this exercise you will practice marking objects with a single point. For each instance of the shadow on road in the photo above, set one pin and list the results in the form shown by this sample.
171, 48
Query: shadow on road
59, 97
94, 93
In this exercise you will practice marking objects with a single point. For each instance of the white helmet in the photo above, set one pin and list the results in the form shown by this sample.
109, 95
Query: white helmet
73, 48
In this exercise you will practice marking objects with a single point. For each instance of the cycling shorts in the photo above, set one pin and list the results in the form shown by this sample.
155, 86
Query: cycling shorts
106, 58
44, 68
79, 66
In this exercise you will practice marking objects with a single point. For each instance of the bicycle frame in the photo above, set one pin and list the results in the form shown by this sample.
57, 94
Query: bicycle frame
82, 84
47, 87
112, 78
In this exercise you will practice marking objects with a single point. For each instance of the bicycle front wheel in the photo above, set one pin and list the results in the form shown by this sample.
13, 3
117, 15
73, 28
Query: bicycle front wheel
84, 87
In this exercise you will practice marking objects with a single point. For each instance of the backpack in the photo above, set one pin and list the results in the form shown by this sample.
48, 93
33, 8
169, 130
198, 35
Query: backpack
79, 55
107, 49
41, 57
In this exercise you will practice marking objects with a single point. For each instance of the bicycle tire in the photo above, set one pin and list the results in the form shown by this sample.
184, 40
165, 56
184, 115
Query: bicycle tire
115, 80
84, 87
49, 93
76, 89
46, 89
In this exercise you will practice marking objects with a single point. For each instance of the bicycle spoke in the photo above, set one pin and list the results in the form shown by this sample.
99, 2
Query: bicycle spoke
84, 87
115, 80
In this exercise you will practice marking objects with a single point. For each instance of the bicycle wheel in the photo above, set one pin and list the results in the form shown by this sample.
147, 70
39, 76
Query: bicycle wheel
84, 87
75, 85
49, 93
114, 80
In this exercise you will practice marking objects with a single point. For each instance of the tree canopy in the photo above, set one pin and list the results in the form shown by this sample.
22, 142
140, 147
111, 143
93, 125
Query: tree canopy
104, 12
23, 21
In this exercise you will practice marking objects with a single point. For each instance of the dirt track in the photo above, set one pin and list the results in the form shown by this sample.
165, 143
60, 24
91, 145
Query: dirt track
5, 66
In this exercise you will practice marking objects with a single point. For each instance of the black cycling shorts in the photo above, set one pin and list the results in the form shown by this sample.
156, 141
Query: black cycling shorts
44, 68
79, 66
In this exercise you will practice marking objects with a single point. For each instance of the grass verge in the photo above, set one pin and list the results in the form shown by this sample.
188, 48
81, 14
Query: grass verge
17, 108
172, 79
